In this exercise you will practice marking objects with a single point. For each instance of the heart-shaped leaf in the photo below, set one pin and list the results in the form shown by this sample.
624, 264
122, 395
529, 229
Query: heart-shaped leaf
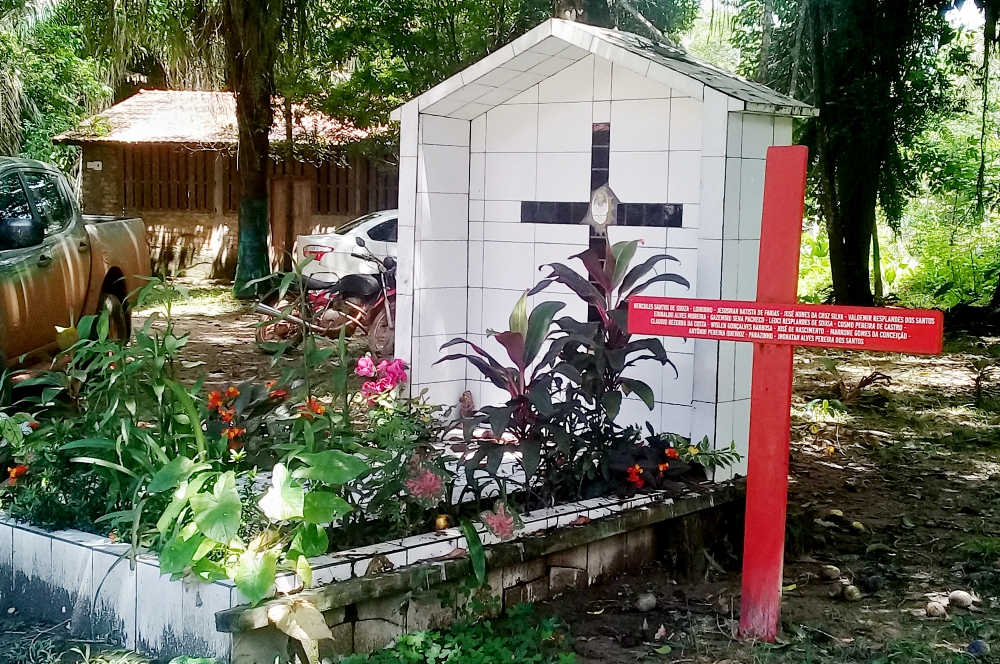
218, 513
324, 507
284, 499
300, 620
331, 467
255, 574
309, 539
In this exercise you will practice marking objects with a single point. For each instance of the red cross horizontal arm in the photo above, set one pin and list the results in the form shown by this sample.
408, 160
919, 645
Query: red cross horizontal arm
774, 323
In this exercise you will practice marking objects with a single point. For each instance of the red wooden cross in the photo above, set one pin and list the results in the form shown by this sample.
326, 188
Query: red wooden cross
774, 323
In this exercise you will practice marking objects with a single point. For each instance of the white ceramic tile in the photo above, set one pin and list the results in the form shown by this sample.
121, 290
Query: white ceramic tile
575, 236
715, 123
676, 419
782, 131
709, 269
563, 176
474, 323
508, 212
435, 130
477, 213
472, 110
444, 107
114, 584
442, 264
409, 134
690, 216
509, 265
525, 61
443, 217
555, 253
686, 266
443, 169
525, 82
648, 236
529, 96
446, 393
71, 578
476, 249
602, 80
727, 370
602, 111
684, 183
626, 84
551, 66
746, 288
441, 311
743, 371
477, 134
407, 190
475, 232
675, 80
685, 123
407, 259
440, 91
498, 77
574, 83
741, 434
477, 175
683, 238
703, 421
512, 128
730, 269
705, 386
159, 631
428, 352
634, 411
751, 198
731, 207
566, 127
510, 176
500, 232
6, 565
723, 424
651, 372
470, 92
497, 96
640, 125
712, 197
404, 327
201, 601
550, 46
758, 134
734, 137
497, 305
331, 573
639, 177
678, 387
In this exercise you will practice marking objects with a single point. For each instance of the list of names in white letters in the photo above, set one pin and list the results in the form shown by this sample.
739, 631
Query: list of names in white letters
760, 323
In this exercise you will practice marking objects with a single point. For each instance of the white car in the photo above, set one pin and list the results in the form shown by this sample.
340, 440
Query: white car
338, 254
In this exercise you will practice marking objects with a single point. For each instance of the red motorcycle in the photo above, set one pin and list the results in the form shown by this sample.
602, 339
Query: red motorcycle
356, 302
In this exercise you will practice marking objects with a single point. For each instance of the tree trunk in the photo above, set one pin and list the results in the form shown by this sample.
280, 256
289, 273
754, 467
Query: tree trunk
287, 257
765, 40
877, 268
251, 43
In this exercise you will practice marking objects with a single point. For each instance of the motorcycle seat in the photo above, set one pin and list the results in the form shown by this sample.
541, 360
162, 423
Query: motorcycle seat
309, 283
358, 285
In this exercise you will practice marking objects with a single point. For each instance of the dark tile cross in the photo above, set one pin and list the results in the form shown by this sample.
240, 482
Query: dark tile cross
629, 214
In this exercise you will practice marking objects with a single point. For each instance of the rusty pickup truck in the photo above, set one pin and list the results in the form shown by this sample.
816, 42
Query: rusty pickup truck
57, 265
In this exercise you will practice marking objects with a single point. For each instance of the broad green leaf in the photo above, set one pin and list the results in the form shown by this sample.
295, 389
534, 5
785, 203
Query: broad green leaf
104, 464
477, 554
304, 570
284, 498
640, 389
184, 492
172, 474
331, 467
218, 513
255, 573
187, 404
538, 328
623, 251
612, 402
519, 316
179, 553
310, 539
324, 507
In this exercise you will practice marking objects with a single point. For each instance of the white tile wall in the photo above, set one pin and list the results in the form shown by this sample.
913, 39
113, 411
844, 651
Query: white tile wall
436, 130
565, 127
758, 135
626, 84
442, 311
751, 198
512, 128
510, 176
563, 176
685, 177
639, 177
640, 125
509, 265
442, 264
443, 169
712, 197
685, 124
443, 217
574, 83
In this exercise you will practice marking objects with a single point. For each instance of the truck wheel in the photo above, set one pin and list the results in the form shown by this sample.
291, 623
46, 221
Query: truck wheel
381, 337
119, 320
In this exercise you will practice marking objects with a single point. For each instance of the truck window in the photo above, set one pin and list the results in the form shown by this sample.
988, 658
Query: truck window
53, 207
13, 203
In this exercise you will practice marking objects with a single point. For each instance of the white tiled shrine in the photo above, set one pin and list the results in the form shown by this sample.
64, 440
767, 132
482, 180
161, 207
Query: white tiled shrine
492, 157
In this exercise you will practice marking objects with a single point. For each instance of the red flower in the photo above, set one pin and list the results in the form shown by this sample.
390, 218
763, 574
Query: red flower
664, 466
271, 383
214, 399
34, 425
232, 392
311, 406
227, 414
634, 476
672, 453
234, 432
16, 472
278, 395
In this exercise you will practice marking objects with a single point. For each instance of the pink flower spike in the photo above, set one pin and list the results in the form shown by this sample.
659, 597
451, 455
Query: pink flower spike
426, 486
501, 522
365, 367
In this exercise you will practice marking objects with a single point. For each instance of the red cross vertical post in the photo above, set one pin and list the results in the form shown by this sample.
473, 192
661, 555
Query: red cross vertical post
775, 324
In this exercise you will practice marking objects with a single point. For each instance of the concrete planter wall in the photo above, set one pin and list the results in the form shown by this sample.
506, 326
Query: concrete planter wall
88, 582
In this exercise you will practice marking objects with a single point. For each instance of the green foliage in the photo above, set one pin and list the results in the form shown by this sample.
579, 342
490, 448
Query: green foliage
519, 638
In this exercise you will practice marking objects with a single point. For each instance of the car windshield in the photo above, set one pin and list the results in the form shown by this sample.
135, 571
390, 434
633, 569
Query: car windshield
351, 225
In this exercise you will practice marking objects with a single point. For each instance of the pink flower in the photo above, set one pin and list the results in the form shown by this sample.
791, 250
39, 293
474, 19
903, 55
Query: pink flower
426, 485
365, 367
501, 522
395, 369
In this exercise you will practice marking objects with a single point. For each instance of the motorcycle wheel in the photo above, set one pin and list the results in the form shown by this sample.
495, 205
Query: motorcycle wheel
381, 337
277, 331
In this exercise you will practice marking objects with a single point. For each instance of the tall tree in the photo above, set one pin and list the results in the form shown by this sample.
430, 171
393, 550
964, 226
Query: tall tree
878, 71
